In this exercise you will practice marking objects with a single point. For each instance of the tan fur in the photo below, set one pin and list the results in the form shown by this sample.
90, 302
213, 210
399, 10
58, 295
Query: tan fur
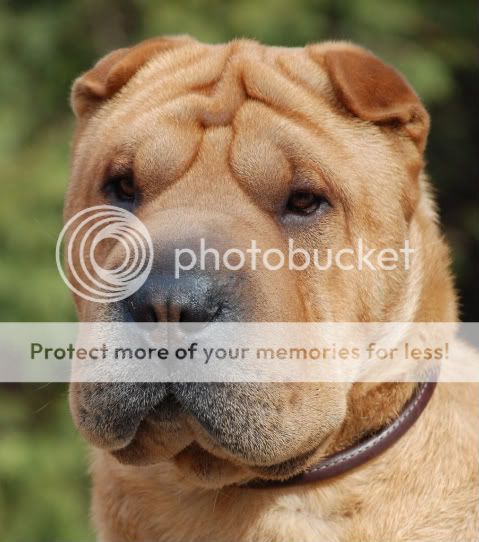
425, 488
233, 127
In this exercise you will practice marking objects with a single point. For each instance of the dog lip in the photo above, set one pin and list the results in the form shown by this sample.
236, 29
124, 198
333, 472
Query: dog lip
281, 470
115, 436
142, 450
161, 425
167, 410
161, 435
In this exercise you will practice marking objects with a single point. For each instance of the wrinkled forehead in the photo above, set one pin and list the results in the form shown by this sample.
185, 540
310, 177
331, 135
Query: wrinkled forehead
209, 84
275, 108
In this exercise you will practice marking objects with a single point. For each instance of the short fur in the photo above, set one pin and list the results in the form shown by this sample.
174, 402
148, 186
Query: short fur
233, 127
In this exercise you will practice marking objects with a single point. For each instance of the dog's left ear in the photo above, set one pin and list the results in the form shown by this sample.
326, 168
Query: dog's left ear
114, 70
373, 90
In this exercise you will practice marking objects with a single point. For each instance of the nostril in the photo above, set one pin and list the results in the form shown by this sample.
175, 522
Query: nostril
197, 314
162, 300
175, 313
164, 313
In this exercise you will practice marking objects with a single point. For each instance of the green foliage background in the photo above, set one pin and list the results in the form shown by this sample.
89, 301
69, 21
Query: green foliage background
45, 44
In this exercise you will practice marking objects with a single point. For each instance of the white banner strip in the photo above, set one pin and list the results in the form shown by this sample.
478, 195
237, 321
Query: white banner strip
239, 352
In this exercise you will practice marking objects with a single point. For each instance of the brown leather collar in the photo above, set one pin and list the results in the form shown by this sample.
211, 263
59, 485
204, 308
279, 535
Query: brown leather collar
359, 453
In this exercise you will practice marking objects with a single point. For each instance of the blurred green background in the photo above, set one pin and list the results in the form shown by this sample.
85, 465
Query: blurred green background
45, 44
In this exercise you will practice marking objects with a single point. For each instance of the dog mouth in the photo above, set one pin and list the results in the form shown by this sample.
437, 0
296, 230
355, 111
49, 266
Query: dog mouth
204, 464
161, 435
193, 459
201, 428
168, 433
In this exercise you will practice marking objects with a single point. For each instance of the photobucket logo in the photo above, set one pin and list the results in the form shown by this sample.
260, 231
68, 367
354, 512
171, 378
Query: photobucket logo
84, 233
358, 258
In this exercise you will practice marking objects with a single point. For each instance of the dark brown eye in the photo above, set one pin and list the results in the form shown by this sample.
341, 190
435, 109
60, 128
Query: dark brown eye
304, 203
121, 191
125, 189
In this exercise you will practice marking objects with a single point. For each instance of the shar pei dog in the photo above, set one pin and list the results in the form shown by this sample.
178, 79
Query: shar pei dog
239, 141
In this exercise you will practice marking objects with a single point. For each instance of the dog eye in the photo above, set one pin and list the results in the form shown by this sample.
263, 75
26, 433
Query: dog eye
304, 203
121, 191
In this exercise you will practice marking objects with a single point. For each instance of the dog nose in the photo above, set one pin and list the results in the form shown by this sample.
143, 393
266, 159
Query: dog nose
168, 299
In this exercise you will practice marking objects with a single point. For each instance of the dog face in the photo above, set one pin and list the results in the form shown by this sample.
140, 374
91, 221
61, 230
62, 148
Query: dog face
230, 143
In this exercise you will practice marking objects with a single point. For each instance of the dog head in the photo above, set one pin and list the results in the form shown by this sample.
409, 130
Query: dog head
234, 142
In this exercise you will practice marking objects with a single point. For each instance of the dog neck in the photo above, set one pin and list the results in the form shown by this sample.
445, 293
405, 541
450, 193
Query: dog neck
372, 440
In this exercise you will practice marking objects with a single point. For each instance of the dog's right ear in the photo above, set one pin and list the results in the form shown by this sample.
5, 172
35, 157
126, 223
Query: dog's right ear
114, 70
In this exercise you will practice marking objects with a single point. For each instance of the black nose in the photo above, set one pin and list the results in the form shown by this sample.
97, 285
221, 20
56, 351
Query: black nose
164, 298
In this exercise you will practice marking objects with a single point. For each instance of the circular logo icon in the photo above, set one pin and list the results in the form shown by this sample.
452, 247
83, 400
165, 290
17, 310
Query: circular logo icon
82, 235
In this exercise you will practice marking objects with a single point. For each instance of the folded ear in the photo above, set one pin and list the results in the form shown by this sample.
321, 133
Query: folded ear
114, 70
373, 90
